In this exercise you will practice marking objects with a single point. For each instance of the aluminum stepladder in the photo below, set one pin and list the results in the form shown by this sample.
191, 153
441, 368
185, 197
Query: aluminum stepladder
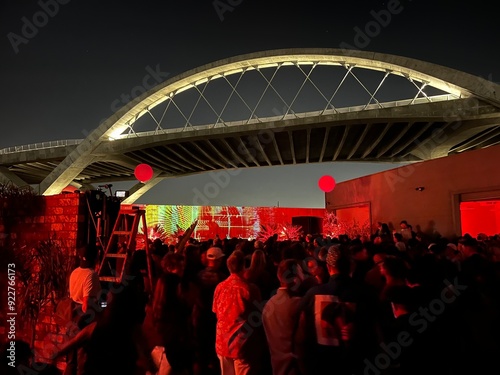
121, 247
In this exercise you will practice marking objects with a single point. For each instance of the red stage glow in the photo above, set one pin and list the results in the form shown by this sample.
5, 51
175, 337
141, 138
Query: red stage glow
143, 172
480, 217
326, 183
231, 221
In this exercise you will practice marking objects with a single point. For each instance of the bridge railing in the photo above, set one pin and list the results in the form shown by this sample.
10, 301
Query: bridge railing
40, 146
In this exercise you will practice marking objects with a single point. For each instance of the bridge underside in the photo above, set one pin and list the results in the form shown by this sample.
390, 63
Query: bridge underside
269, 108
401, 134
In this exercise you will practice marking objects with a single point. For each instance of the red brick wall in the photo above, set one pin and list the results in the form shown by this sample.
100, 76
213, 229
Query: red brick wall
63, 220
63, 217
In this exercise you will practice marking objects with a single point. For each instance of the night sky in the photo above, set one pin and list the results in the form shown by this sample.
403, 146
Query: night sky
60, 79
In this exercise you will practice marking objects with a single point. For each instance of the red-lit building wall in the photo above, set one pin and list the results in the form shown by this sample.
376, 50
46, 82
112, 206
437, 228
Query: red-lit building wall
446, 182
359, 214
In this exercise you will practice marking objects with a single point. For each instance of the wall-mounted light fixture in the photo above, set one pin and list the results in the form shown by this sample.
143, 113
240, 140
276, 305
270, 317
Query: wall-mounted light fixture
419, 188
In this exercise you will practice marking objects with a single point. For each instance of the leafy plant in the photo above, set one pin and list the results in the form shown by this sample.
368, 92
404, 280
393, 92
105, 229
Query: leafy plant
157, 231
333, 227
267, 231
173, 238
354, 229
16, 203
42, 273
290, 232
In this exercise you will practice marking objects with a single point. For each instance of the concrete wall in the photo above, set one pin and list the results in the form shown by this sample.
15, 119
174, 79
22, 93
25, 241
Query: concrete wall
393, 197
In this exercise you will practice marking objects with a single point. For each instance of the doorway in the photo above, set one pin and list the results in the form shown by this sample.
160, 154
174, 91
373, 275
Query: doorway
480, 217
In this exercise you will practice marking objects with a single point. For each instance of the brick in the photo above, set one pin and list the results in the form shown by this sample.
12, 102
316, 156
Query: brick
67, 202
70, 210
72, 226
67, 218
51, 219
56, 227
54, 210
70, 235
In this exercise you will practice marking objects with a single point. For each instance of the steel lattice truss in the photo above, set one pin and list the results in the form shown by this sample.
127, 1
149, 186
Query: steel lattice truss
275, 92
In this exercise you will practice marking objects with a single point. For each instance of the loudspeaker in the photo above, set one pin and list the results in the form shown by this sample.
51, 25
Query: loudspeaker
101, 213
309, 224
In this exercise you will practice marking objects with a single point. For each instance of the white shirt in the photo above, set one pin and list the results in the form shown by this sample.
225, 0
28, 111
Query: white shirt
401, 246
83, 282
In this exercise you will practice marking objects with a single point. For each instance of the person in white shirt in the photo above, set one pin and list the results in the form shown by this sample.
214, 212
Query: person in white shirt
84, 290
84, 285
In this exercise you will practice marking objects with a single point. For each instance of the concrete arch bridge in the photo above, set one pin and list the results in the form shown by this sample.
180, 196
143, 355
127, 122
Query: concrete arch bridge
270, 108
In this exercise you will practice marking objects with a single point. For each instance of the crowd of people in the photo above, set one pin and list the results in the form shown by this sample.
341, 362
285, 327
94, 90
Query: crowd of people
394, 303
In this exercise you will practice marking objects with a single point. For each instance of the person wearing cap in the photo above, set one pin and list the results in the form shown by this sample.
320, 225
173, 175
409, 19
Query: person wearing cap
204, 319
332, 313
214, 253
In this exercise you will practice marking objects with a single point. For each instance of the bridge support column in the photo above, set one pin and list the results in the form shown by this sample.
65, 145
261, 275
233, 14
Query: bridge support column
140, 189
7, 176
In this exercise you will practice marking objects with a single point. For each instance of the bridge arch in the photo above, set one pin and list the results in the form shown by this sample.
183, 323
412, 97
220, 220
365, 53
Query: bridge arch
458, 84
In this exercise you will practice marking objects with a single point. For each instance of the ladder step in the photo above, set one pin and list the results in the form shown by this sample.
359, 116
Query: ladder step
129, 218
115, 256
110, 278
122, 232
131, 211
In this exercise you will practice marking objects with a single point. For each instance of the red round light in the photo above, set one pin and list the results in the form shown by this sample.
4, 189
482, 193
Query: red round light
326, 183
143, 172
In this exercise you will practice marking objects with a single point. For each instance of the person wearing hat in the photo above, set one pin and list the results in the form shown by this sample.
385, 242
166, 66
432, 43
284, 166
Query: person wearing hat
204, 318
214, 253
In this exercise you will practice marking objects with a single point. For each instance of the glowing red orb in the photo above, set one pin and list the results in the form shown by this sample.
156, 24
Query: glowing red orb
326, 183
143, 172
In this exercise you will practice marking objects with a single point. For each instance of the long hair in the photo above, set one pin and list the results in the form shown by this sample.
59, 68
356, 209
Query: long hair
236, 262
258, 261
